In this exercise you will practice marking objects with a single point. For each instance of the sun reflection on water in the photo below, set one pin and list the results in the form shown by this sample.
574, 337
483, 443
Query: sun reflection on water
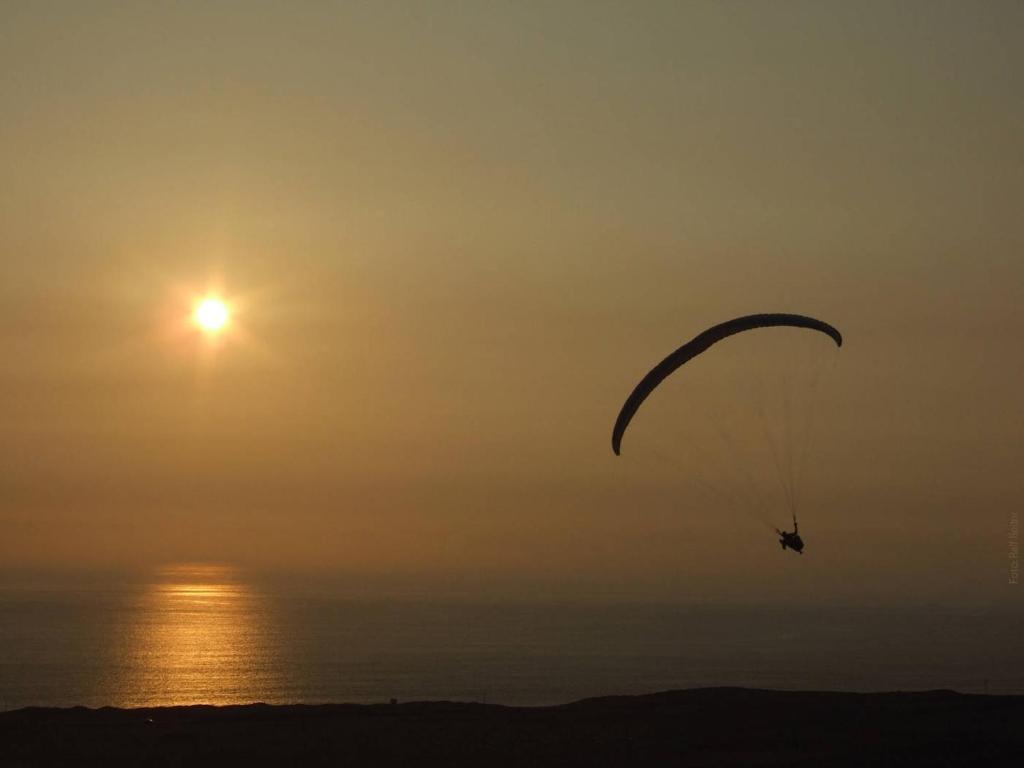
200, 635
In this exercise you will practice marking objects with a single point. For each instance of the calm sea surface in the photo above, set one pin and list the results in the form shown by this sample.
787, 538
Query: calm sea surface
202, 634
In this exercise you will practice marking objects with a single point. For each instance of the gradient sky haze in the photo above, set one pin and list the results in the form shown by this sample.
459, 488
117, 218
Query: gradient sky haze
455, 235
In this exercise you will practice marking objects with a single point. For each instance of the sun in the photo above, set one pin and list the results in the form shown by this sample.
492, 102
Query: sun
211, 314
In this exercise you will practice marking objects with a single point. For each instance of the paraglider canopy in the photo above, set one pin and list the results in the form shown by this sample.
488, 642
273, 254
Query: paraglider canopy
699, 344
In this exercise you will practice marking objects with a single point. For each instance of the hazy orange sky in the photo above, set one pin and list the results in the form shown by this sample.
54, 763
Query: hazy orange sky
455, 235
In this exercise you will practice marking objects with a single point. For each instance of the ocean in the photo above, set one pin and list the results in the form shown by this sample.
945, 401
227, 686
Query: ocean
207, 635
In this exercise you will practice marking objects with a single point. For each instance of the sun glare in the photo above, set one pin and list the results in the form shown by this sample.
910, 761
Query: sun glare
211, 314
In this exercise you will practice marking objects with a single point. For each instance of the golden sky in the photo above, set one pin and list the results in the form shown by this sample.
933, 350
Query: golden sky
454, 236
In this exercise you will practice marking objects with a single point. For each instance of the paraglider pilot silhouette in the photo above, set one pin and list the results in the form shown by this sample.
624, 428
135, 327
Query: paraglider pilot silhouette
791, 540
700, 343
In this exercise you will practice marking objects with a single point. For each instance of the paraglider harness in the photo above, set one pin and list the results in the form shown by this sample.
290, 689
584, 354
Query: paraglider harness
791, 540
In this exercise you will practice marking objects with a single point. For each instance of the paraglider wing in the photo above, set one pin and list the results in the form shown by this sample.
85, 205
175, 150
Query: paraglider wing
700, 343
